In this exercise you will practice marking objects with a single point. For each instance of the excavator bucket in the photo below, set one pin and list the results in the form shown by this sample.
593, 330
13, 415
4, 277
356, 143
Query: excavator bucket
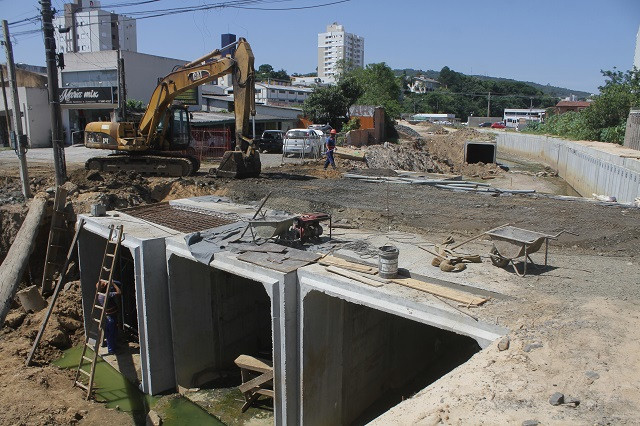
235, 164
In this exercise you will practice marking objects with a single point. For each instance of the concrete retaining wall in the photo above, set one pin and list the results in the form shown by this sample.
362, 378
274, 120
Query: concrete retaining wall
589, 167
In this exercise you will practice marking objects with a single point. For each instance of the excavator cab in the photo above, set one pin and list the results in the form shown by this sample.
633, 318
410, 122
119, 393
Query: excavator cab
177, 136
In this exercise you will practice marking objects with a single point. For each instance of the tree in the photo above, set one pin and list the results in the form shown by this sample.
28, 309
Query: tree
604, 120
266, 72
380, 87
327, 105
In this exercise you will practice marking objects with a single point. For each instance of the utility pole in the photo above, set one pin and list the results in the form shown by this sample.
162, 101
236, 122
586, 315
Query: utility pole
6, 106
19, 141
489, 105
57, 139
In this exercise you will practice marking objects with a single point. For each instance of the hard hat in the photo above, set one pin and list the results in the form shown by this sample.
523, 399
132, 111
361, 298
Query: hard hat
333, 131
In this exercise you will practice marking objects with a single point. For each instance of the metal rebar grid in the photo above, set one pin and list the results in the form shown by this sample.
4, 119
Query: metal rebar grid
176, 218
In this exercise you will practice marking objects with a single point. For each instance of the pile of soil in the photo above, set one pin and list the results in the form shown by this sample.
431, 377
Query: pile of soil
42, 394
435, 129
64, 328
430, 148
128, 189
406, 156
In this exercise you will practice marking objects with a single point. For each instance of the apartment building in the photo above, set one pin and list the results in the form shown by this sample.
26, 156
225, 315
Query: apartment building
84, 27
336, 45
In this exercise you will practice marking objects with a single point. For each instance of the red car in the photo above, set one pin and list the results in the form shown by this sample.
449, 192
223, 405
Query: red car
498, 125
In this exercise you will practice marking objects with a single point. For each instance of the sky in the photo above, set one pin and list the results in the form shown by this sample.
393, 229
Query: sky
559, 42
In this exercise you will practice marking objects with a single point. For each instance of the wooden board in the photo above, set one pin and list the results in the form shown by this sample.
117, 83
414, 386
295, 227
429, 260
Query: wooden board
256, 382
438, 290
345, 264
254, 364
354, 276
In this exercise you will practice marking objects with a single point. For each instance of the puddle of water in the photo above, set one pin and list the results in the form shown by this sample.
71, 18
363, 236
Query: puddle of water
116, 391
226, 403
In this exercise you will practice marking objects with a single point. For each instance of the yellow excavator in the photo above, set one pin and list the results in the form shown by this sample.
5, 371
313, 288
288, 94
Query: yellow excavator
160, 144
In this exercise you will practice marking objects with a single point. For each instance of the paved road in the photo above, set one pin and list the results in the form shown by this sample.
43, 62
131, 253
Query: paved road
78, 154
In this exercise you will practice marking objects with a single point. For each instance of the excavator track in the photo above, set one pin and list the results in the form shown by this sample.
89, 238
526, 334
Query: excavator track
169, 165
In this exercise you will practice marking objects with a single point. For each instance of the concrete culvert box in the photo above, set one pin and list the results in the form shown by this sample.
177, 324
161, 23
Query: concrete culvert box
144, 352
358, 362
229, 308
479, 152
216, 316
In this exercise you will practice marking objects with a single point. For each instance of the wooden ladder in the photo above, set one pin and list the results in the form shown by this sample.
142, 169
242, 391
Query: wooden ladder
56, 242
56, 292
95, 326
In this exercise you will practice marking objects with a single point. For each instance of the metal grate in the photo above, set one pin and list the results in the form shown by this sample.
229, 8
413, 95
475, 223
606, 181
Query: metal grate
176, 218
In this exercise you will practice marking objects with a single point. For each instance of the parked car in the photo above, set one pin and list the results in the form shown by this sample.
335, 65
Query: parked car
498, 125
271, 141
324, 128
485, 124
303, 141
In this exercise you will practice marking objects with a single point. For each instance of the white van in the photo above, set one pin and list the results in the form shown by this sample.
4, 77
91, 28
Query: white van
302, 142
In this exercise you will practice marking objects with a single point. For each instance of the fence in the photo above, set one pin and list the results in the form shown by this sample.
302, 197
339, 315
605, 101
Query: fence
211, 143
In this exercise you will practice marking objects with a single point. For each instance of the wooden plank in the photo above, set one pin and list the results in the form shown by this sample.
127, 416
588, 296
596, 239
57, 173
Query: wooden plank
254, 364
345, 264
256, 382
354, 276
438, 290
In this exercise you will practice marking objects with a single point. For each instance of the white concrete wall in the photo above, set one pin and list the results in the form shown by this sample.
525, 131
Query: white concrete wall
34, 110
586, 168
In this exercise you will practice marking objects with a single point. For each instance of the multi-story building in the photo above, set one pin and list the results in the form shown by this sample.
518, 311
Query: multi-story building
336, 45
84, 27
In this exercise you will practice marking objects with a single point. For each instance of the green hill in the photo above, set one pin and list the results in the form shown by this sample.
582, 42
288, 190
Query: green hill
547, 89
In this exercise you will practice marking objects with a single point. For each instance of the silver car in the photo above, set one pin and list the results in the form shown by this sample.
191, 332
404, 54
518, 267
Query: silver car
303, 142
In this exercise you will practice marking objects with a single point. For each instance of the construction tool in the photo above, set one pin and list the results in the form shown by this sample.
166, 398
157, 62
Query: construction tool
55, 243
95, 326
52, 301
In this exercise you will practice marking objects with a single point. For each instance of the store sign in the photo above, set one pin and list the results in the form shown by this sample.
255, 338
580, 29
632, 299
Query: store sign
88, 95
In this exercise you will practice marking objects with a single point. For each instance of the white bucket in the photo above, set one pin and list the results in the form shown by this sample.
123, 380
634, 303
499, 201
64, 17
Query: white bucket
388, 261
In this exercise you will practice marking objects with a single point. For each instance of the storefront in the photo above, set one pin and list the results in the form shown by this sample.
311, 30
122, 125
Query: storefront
82, 105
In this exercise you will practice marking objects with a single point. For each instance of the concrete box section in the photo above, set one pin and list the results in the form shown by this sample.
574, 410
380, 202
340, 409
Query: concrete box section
479, 152
229, 308
147, 247
362, 347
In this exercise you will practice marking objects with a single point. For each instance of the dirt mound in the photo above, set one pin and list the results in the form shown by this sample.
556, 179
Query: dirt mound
11, 217
435, 129
127, 189
42, 394
406, 156
64, 328
406, 131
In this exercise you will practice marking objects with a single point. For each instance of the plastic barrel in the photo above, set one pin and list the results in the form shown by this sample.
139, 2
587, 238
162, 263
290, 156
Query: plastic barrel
388, 261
